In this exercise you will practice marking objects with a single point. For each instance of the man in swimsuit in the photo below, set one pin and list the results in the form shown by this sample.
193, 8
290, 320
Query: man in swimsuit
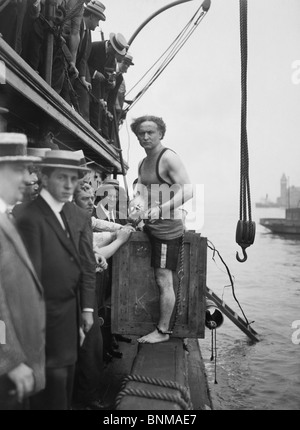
165, 184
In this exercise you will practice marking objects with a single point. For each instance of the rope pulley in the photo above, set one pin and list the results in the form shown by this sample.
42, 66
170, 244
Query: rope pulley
245, 232
245, 235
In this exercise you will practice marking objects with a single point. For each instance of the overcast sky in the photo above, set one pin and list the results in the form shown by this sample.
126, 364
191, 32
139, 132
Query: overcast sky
199, 94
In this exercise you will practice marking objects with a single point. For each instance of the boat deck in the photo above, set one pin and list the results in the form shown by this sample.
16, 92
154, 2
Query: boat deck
177, 361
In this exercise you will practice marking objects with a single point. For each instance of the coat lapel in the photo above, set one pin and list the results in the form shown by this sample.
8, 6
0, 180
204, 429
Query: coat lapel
13, 236
53, 222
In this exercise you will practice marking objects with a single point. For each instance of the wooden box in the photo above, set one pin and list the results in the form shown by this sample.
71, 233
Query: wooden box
135, 296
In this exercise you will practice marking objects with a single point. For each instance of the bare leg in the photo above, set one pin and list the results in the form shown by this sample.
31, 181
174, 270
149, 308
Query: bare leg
164, 280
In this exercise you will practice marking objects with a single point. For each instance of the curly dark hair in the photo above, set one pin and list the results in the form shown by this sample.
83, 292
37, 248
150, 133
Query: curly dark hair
158, 121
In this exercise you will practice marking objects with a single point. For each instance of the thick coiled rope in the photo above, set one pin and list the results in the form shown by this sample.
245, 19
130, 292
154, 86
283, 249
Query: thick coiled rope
183, 401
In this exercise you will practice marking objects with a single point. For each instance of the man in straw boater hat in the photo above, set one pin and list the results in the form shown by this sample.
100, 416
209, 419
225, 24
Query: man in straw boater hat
93, 14
58, 237
103, 67
22, 306
31, 180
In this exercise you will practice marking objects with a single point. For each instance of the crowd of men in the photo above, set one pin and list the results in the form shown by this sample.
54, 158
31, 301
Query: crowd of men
50, 290
57, 236
87, 74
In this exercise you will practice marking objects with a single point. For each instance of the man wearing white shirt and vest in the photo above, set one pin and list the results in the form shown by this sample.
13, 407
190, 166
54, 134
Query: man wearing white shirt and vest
22, 306
58, 237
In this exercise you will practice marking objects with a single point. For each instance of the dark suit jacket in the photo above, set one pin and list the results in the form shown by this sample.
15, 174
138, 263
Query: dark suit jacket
65, 266
100, 61
22, 307
83, 53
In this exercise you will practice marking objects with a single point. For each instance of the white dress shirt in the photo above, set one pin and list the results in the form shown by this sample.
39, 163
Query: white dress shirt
3, 206
54, 205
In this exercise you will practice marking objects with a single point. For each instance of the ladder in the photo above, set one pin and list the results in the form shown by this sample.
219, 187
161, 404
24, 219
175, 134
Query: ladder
232, 315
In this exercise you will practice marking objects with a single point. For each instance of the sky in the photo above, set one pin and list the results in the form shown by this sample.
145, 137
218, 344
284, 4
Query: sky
199, 94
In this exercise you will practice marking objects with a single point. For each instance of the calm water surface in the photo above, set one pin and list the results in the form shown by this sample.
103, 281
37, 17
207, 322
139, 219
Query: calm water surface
265, 375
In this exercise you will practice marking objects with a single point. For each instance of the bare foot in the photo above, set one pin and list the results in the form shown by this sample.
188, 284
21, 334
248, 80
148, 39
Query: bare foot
154, 337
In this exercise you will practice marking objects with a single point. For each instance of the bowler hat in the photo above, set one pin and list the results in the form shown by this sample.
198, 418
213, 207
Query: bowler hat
96, 8
119, 43
13, 149
63, 159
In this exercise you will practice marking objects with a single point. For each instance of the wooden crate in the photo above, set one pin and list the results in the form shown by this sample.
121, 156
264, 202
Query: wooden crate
135, 296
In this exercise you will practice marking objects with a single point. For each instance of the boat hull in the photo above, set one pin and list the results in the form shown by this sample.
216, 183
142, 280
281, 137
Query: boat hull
281, 226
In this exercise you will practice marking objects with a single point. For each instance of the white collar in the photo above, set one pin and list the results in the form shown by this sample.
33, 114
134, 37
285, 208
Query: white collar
3, 206
52, 202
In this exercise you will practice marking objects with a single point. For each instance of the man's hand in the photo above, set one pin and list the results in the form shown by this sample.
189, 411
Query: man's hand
87, 321
101, 262
86, 84
81, 337
22, 377
123, 235
73, 72
129, 227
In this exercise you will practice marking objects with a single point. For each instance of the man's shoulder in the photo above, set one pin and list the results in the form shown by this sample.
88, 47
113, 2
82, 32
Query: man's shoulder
168, 153
74, 210
27, 209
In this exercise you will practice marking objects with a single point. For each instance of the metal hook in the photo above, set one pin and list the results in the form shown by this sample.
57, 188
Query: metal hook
245, 256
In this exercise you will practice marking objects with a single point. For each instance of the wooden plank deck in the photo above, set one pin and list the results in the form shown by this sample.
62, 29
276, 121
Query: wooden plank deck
178, 362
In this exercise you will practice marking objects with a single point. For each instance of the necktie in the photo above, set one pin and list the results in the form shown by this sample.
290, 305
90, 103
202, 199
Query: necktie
64, 220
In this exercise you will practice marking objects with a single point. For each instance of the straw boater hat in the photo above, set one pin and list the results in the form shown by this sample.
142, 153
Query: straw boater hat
128, 59
13, 149
38, 152
97, 8
119, 43
63, 159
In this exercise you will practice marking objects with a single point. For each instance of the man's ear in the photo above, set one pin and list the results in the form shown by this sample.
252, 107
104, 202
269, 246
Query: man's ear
44, 180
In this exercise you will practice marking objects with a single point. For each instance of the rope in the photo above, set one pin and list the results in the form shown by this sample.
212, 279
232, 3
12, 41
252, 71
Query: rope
245, 188
3, 4
160, 383
213, 248
246, 230
180, 275
214, 350
152, 395
184, 401
174, 48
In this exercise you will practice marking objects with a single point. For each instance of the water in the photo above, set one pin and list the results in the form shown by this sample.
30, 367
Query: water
265, 375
